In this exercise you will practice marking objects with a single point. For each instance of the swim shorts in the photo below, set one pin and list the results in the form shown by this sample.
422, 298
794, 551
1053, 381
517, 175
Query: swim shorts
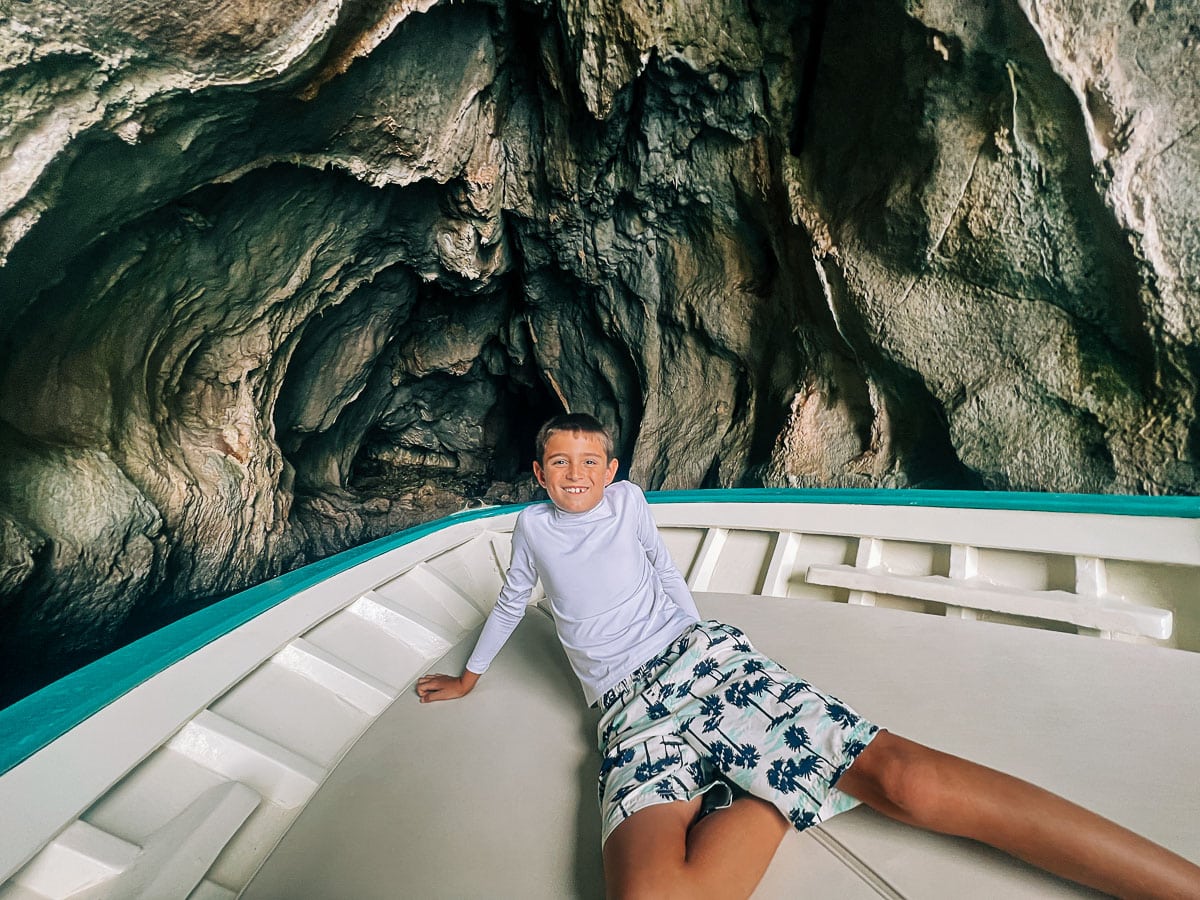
709, 711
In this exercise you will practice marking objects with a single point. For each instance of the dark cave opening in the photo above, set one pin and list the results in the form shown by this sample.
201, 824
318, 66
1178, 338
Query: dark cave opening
520, 411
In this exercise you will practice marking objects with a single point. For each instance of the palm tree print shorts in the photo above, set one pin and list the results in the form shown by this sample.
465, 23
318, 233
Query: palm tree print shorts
710, 710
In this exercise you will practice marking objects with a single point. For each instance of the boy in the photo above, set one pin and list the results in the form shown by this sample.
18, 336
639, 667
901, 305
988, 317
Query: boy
689, 708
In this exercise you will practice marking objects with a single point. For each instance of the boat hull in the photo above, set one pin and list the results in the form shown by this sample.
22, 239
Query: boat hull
225, 726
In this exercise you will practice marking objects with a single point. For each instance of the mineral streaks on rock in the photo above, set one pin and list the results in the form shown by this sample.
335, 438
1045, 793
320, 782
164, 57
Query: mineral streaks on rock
281, 277
996, 262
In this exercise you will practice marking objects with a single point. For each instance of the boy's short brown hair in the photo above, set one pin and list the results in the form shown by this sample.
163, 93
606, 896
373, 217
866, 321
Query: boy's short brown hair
576, 423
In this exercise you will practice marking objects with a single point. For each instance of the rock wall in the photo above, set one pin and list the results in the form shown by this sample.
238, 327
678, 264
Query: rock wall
281, 277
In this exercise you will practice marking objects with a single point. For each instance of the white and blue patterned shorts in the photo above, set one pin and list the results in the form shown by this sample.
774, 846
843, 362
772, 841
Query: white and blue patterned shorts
709, 711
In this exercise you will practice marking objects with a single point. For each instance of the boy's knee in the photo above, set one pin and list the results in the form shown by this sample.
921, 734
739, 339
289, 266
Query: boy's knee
896, 775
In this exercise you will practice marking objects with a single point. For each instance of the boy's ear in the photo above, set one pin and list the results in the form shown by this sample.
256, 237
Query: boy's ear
611, 472
539, 473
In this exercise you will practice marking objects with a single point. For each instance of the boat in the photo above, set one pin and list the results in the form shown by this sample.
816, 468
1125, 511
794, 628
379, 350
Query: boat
271, 745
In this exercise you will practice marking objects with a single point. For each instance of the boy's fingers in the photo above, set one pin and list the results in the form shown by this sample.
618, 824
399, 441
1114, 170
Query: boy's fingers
433, 687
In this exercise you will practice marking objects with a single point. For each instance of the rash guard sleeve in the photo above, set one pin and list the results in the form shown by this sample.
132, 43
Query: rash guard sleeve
510, 606
660, 558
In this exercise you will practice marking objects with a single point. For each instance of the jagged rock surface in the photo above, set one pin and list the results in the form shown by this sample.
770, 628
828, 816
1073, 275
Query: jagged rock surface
284, 276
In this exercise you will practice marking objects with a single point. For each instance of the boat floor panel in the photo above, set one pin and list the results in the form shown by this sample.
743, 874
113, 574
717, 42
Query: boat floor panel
493, 795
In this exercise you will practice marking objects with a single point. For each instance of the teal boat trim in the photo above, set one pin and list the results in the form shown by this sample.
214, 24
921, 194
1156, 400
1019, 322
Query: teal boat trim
34, 721
1095, 504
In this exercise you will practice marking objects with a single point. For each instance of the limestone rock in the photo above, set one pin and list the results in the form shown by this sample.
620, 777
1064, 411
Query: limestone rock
75, 526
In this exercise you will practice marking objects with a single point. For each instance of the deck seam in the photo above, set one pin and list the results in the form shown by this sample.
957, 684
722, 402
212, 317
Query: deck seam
854, 863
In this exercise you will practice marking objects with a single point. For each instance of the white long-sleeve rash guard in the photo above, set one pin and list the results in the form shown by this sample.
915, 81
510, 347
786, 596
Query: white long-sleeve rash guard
615, 595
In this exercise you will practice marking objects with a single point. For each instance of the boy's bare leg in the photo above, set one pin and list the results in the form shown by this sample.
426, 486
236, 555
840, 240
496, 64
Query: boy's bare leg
662, 851
944, 793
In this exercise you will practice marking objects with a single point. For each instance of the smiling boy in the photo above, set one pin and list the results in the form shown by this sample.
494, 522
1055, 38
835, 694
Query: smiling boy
692, 712
616, 596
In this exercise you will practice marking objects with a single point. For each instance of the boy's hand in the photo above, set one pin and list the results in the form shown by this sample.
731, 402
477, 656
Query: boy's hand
445, 687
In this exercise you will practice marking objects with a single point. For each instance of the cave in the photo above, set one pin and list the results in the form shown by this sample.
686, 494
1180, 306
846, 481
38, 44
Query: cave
278, 279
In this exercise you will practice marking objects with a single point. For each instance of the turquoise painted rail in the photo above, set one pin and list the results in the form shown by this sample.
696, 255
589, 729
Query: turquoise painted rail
34, 721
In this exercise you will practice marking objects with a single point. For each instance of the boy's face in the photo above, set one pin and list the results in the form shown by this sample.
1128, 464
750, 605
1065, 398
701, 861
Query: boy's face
575, 470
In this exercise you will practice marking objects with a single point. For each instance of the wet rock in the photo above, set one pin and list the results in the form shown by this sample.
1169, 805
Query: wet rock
75, 525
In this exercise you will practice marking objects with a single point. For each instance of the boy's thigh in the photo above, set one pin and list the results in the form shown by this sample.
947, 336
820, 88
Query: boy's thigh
651, 843
654, 770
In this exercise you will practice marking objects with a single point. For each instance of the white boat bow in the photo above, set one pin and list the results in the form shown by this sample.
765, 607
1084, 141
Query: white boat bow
271, 746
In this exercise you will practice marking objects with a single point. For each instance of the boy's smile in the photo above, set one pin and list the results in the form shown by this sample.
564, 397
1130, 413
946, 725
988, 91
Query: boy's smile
575, 470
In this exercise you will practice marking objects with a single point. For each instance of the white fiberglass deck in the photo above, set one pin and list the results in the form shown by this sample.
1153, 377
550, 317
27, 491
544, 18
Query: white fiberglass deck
493, 796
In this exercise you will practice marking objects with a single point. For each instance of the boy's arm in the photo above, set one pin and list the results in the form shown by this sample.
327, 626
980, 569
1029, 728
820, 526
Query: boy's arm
660, 558
501, 621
